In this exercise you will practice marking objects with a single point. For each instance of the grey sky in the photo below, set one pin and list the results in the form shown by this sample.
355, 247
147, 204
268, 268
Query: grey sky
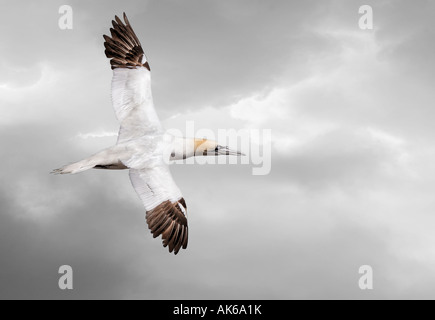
352, 180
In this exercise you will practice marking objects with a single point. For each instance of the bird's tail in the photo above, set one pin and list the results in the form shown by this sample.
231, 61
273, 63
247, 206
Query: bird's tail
106, 159
76, 167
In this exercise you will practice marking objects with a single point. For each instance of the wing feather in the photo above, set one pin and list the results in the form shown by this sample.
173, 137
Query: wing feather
166, 211
124, 47
131, 82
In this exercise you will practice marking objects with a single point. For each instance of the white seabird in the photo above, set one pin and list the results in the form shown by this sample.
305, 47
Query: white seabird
143, 147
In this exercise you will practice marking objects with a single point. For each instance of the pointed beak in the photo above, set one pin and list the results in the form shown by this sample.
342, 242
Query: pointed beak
228, 152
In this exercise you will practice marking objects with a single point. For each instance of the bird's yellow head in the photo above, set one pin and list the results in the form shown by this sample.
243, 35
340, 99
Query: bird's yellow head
205, 147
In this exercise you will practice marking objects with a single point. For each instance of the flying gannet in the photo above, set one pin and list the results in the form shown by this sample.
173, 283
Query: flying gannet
142, 145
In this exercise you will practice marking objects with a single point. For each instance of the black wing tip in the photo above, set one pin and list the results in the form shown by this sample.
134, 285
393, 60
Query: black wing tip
170, 222
119, 21
123, 36
146, 65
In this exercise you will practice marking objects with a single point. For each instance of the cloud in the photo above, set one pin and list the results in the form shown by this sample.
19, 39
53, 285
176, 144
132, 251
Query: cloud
352, 174
97, 134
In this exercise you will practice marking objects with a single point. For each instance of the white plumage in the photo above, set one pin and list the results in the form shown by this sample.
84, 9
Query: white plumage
154, 186
142, 145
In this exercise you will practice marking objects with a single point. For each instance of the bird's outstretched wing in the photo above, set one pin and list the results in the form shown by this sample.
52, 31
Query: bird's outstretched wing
131, 82
166, 210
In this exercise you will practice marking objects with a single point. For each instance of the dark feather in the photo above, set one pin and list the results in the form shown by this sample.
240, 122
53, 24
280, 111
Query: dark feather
169, 221
123, 47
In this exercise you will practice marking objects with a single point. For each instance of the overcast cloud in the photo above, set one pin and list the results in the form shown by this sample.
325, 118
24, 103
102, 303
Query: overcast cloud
352, 180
